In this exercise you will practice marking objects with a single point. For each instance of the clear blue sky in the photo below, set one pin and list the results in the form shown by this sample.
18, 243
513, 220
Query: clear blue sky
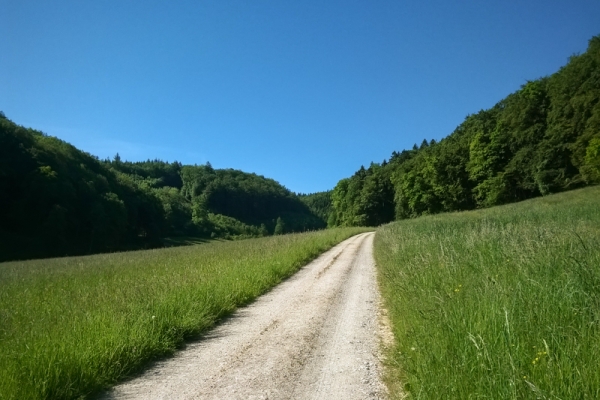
303, 92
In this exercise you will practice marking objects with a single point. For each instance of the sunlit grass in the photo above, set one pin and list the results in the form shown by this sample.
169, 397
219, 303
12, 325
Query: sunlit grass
72, 326
502, 303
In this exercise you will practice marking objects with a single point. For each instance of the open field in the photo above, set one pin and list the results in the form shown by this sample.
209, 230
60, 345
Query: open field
72, 326
502, 303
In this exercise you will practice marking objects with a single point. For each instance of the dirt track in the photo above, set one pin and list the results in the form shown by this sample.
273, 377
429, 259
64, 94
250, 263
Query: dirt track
316, 336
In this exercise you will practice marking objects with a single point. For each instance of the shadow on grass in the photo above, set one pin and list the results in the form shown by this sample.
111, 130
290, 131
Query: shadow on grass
184, 241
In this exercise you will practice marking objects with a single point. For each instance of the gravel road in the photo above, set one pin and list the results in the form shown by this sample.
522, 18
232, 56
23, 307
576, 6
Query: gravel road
315, 336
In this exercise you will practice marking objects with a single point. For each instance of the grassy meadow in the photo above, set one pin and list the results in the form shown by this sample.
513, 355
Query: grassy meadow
501, 303
70, 327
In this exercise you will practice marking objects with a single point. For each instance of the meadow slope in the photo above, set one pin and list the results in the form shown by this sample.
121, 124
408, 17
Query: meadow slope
502, 303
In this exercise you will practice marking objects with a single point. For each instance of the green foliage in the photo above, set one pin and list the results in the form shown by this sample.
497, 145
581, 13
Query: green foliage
542, 139
592, 161
181, 216
56, 200
230, 228
279, 227
248, 198
70, 327
157, 173
497, 303
365, 199
319, 204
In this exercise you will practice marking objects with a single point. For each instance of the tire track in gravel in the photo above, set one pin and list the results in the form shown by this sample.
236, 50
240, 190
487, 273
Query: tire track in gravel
315, 336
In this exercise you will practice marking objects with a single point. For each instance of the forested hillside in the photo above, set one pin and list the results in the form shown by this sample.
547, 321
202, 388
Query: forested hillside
56, 200
542, 139
319, 203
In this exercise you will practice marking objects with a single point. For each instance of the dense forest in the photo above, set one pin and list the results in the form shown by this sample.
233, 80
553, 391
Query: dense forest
57, 200
542, 139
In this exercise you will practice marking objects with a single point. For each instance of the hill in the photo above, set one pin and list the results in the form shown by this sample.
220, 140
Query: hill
541, 139
56, 200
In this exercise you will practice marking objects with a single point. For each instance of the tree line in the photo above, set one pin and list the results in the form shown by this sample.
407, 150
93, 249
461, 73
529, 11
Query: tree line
542, 139
56, 200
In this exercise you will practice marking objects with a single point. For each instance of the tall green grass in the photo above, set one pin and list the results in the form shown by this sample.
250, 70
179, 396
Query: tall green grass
502, 303
72, 326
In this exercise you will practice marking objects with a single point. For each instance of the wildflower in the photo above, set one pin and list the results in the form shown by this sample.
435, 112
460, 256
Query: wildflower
539, 355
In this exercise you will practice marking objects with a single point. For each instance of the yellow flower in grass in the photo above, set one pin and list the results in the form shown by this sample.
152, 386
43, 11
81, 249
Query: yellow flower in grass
535, 360
539, 356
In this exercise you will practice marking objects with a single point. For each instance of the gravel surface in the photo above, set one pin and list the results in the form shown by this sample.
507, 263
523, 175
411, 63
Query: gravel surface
315, 336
